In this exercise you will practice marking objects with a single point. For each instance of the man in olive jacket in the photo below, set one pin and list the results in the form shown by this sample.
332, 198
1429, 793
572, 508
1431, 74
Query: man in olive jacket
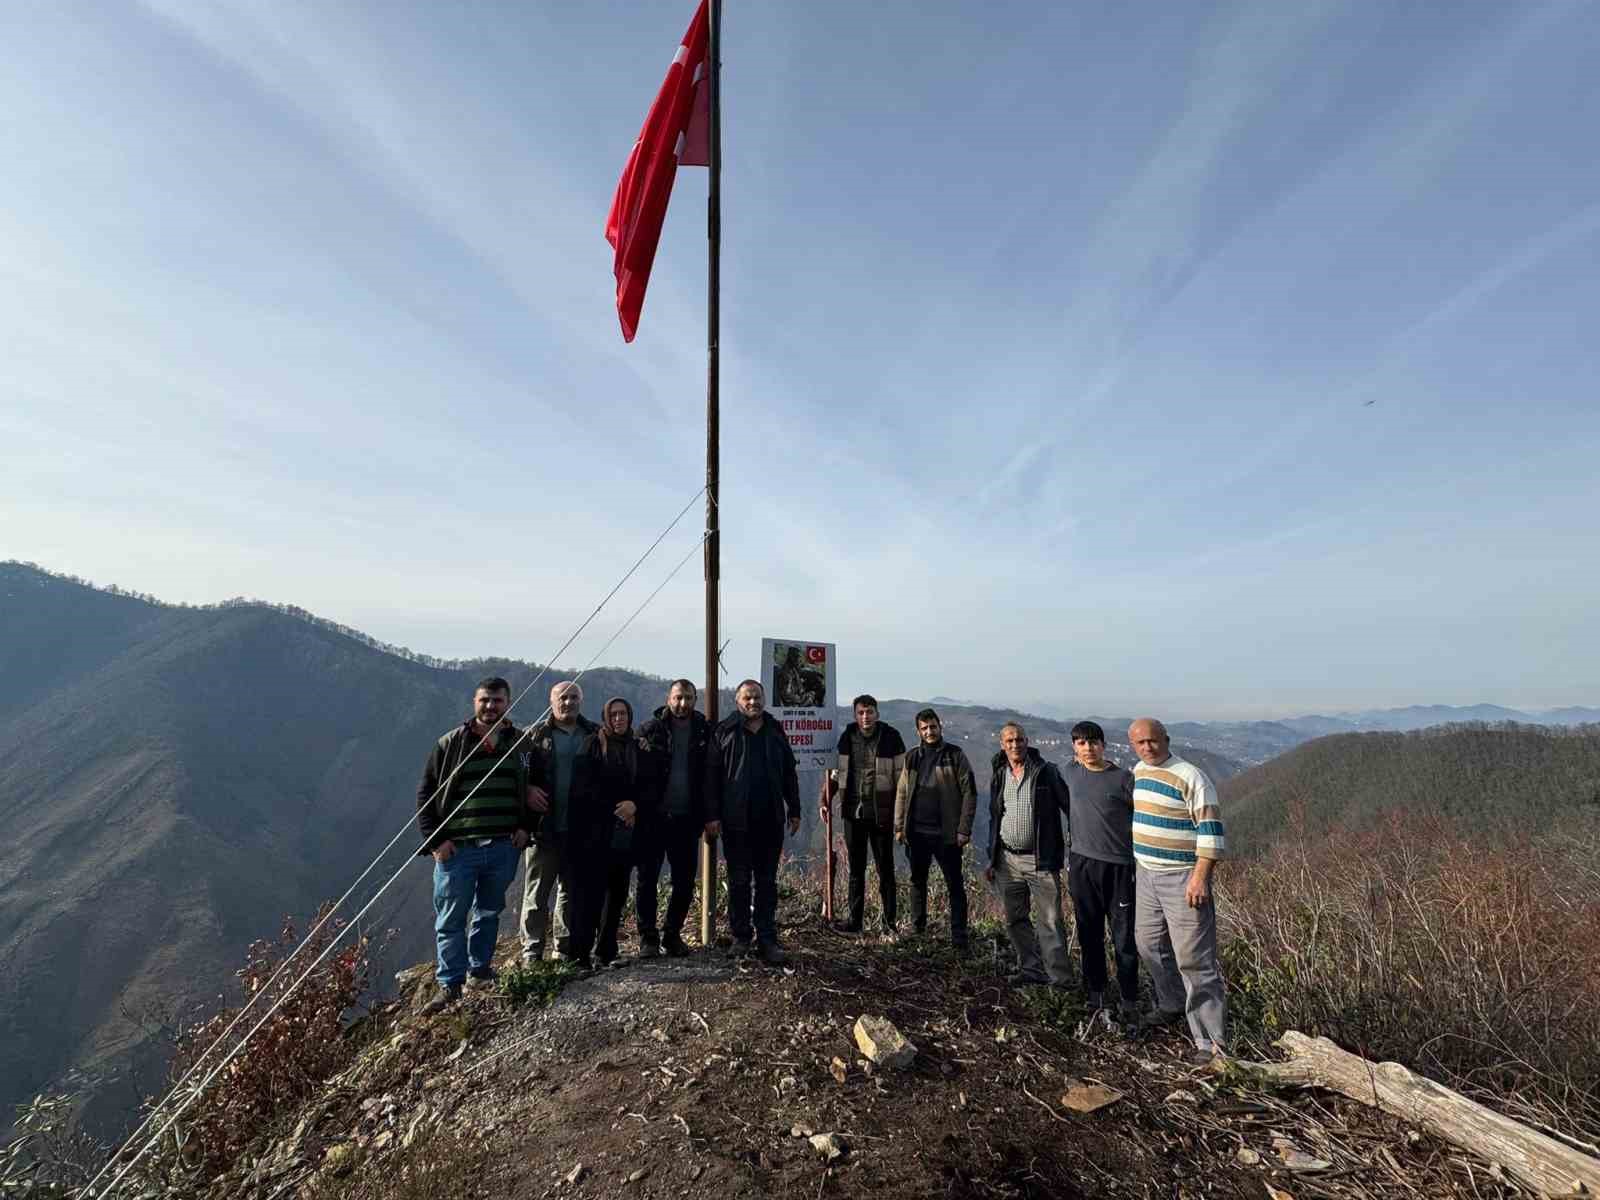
872, 758
933, 810
752, 793
1027, 849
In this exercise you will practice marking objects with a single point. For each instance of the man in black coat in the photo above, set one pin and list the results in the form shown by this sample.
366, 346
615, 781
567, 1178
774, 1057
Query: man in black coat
679, 737
752, 794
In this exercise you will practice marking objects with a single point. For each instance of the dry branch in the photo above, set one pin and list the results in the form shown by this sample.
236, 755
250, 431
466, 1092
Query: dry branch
1532, 1158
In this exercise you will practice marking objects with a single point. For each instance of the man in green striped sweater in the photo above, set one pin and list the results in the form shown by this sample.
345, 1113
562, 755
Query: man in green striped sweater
475, 809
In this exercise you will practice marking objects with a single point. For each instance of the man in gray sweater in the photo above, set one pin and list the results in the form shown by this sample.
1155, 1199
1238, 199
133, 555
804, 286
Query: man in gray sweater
1100, 871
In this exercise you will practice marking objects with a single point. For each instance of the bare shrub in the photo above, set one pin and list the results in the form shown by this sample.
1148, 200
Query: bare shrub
47, 1155
1477, 964
299, 1047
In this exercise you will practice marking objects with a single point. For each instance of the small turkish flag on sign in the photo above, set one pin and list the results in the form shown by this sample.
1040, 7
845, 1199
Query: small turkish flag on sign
676, 130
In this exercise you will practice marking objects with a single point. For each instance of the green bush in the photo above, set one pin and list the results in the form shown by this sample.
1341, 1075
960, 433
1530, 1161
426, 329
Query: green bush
537, 982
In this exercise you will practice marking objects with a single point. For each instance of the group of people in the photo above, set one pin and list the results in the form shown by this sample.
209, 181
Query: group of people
590, 807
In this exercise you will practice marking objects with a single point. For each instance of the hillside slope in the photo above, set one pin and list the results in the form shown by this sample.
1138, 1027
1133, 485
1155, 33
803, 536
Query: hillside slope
1486, 779
183, 779
704, 1077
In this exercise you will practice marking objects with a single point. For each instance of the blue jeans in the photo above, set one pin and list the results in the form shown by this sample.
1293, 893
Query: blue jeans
473, 881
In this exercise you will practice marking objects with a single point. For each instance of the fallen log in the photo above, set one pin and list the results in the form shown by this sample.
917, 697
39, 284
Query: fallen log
1534, 1159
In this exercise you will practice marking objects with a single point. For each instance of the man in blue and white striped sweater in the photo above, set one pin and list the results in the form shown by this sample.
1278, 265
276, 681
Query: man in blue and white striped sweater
1178, 840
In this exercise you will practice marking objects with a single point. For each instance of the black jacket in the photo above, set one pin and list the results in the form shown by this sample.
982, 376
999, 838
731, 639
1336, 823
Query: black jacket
589, 817
1049, 807
448, 753
725, 766
657, 734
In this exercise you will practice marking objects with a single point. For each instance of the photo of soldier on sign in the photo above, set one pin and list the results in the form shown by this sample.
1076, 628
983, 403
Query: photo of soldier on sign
800, 675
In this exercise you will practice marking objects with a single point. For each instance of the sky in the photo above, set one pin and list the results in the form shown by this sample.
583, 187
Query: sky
1209, 360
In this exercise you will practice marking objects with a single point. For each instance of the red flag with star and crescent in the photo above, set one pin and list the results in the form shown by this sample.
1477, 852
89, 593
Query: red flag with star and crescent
676, 131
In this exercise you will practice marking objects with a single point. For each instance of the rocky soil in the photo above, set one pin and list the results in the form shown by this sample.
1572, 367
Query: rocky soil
672, 1078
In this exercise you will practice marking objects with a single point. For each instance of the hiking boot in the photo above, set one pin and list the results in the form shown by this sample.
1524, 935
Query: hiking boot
649, 946
846, 927
581, 963
772, 954
1026, 979
674, 945
740, 948
1160, 1018
482, 979
1095, 1001
532, 954
447, 995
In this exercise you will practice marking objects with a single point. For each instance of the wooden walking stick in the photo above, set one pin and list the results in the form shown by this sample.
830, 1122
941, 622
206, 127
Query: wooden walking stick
827, 829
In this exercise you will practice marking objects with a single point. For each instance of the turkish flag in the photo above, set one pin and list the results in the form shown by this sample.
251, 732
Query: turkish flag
676, 130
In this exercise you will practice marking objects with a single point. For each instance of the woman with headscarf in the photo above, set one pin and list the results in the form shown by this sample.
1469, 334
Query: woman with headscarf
627, 785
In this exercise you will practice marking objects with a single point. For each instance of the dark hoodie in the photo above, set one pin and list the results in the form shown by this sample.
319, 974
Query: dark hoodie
625, 775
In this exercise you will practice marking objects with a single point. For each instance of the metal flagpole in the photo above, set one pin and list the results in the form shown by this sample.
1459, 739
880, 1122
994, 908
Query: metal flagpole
708, 846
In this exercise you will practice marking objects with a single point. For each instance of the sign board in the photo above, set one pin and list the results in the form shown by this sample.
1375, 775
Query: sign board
800, 678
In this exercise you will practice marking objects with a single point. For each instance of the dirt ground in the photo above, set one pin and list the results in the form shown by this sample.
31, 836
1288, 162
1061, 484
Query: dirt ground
671, 1078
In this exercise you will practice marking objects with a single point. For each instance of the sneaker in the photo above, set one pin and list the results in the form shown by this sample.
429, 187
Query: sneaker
649, 947
447, 995
772, 954
675, 946
482, 979
532, 954
1160, 1018
580, 962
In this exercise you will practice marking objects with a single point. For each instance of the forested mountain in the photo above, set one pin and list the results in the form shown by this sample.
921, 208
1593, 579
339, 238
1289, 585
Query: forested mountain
1485, 779
179, 779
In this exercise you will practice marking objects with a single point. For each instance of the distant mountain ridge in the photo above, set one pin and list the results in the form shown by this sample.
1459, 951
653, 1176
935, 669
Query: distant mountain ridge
1254, 742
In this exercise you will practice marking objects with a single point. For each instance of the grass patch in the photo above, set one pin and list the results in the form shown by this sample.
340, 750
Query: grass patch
535, 983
